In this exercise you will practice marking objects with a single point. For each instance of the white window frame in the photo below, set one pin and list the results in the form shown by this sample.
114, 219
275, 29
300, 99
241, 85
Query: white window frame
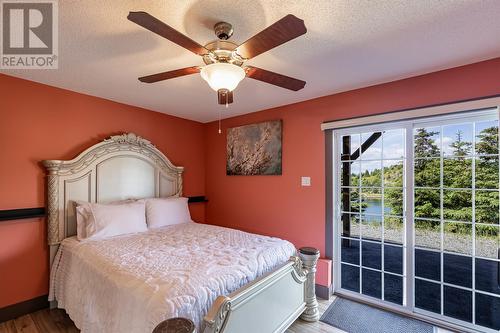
408, 120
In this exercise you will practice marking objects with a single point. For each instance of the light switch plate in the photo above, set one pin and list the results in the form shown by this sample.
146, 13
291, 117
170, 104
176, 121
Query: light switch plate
305, 181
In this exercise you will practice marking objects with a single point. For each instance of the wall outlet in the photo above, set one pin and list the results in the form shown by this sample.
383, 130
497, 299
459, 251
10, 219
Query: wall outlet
305, 181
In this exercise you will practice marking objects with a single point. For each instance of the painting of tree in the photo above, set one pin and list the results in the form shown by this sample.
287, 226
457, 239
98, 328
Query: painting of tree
254, 149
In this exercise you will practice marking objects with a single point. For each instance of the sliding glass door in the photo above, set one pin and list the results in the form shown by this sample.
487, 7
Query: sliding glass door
417, 216
372, 243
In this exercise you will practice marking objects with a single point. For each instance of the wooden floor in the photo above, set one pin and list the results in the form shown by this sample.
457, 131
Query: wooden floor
43, 321
57, 321
301, 326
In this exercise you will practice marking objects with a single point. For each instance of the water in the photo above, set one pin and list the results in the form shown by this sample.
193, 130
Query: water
374, 207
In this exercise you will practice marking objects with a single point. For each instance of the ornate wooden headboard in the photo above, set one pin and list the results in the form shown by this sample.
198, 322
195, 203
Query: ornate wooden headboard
121, 167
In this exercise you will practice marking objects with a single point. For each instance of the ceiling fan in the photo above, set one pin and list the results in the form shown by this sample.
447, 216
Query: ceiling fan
224, 60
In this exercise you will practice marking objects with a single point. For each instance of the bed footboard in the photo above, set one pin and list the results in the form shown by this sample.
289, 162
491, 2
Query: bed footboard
271, 303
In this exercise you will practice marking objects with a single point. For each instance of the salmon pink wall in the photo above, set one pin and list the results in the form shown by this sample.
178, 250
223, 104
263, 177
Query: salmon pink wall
278, 205
40, 122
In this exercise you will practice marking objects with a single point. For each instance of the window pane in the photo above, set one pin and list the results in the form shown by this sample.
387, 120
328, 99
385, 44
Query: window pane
349, 251
487, 172
457, 205
371, 227
457, 140
393, 288
372, 283
457, 172
458, 303
350, 277
372, 145
350, 199
487, 207
393, 229
350, 146
427, 203
427, 172
428, 264
393, 173
488, 275
457, 270
371, 173
393, 201
393, 259
488, 241
427, 142
487, 137
428, 296
487, 310
350, 225
371, 201
428, 234
393, 141
458, 237
371, 254
349, 174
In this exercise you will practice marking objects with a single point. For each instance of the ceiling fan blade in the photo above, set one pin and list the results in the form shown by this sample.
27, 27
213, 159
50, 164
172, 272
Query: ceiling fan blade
153, 24
288, 28
274, 78
170, 74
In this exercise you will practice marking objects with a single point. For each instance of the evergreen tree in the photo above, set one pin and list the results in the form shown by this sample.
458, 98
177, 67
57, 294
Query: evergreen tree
460, 147
427, 173
424, 143
457, 171
487, 202
488, 141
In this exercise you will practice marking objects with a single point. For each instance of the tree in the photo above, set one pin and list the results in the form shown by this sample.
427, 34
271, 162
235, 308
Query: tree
488, 141
427, 173
457, 171
424, 143
487, 202
460, 147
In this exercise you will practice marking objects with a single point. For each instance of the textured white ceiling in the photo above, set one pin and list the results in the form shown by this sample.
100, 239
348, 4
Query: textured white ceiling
349, 44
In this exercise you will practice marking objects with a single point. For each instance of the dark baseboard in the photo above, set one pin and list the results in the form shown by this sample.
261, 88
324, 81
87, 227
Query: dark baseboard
323, 291
20, 309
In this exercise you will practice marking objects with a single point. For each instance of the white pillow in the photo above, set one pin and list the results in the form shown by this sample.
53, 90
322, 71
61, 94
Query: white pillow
105, 221
167, 211
82, 218
84, 215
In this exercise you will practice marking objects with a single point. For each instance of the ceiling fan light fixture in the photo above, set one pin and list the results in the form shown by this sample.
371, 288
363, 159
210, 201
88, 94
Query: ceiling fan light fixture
222, 76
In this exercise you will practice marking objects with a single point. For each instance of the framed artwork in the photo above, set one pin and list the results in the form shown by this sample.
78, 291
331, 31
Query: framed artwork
254, 149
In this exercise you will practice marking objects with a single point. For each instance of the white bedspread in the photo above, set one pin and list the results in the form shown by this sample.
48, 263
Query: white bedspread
131, 283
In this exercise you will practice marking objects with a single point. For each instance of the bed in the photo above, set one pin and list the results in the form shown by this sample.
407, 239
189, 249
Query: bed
223, 279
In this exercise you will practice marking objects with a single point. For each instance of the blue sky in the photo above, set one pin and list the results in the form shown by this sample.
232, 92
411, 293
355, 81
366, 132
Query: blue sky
391, 144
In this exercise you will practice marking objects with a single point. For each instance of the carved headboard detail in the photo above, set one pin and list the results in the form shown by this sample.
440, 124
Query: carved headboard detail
121, 167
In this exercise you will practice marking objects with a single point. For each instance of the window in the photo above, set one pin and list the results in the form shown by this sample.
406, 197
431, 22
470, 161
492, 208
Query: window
372, 214
416, 215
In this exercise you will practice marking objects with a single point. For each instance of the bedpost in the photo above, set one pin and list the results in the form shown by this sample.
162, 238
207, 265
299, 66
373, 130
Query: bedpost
53, 201
309, 257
